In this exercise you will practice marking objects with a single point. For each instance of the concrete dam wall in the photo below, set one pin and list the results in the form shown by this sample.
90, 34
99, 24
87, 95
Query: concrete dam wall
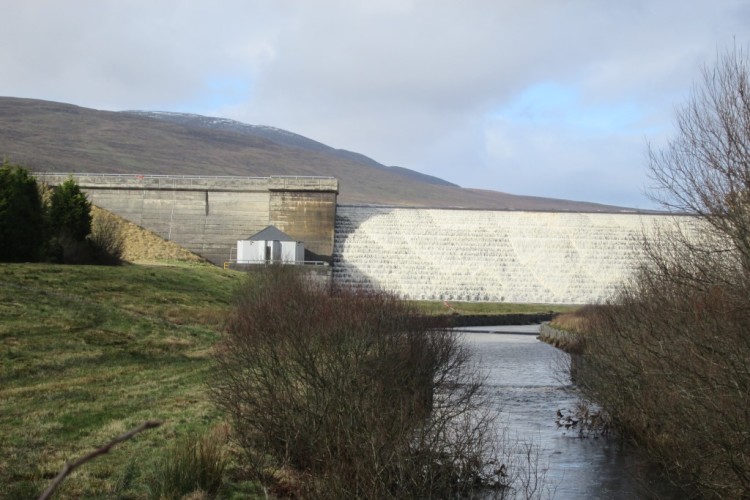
474, 255
421, 254
207, 215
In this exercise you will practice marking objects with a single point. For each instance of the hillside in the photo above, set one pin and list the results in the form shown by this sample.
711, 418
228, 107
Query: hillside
93, 351
284, 138
56, 137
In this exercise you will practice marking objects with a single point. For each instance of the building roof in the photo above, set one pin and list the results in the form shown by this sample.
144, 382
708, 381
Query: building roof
271, 233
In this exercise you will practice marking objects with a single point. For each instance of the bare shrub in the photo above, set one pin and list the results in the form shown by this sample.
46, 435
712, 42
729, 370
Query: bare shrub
528, 475
106, 238
350, 394
670, 356
670, 363
587, 419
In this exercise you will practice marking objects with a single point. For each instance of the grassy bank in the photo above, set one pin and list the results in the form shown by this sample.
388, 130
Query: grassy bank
89, 352
489, 308
567, 331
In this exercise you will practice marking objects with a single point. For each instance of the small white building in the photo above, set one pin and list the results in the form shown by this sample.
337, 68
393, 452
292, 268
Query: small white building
270, 246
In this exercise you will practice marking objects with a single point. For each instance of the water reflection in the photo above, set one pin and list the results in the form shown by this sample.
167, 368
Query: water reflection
528, 381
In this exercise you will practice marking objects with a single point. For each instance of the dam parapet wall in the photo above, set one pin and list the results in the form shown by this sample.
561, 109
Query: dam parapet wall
194, 182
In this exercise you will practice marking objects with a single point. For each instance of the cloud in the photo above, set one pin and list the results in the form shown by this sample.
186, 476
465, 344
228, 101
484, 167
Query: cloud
115, 55
541, 97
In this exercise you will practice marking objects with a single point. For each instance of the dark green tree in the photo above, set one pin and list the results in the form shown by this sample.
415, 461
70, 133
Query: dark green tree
22, 229
70, 211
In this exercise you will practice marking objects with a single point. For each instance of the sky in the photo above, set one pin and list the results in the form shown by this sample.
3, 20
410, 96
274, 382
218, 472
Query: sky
546, 98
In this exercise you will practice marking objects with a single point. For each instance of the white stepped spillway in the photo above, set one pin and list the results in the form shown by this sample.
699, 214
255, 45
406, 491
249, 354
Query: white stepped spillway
497, 256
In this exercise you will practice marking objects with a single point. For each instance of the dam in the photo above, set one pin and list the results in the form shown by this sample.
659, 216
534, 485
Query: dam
415, 253
496, 256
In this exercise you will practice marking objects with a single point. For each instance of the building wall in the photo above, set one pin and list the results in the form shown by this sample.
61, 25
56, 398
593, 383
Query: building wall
253, 252
250, 251
474, 255
292, 251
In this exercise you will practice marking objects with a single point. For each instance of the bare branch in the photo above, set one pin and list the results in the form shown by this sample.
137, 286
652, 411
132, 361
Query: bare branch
71, 466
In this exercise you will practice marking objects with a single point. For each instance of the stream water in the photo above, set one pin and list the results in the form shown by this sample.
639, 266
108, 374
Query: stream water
528, 381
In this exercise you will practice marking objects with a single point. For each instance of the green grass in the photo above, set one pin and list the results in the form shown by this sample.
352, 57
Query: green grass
89, 352
434, 308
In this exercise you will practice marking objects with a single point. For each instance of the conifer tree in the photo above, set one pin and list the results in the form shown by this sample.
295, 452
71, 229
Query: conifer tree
70, 211
22, 229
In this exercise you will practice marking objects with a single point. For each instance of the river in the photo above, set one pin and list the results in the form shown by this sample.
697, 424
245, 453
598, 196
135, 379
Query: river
528, 382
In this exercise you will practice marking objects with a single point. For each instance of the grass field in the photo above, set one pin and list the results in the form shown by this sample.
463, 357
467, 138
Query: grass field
89, 352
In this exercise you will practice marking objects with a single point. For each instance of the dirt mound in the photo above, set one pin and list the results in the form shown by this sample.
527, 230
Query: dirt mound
141, 245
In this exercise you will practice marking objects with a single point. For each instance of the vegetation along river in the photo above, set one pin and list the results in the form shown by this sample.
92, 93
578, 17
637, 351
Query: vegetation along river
528, 381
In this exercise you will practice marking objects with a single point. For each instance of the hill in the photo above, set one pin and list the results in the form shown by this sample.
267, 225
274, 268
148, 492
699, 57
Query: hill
284, 138
57, 137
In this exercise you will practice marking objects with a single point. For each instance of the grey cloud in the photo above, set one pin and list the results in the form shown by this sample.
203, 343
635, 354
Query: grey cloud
408, 82
115, 55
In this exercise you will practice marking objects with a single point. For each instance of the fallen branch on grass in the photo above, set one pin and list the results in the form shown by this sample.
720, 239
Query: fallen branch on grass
71, 466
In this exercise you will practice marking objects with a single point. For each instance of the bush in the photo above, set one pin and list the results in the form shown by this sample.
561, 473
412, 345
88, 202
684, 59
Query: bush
80, 235
670, 363
669, 357
349, 394
106, 239
55, 224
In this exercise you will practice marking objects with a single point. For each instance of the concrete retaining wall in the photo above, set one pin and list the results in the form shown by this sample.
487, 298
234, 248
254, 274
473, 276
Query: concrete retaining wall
567, 341
207, 215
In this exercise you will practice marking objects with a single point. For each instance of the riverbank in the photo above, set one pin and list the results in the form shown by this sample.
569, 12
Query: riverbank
460, 320
570, 342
